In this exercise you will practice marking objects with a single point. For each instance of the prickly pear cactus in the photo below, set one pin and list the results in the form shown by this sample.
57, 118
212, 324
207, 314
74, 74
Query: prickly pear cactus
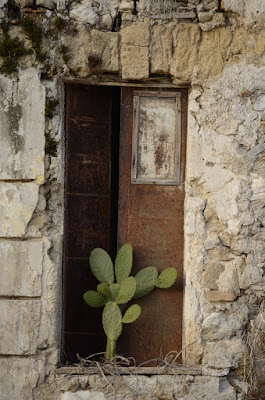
123, 262
166, 278
145, 281
114, 296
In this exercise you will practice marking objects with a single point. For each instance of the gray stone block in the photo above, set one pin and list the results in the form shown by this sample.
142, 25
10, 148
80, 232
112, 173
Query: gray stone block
21, 268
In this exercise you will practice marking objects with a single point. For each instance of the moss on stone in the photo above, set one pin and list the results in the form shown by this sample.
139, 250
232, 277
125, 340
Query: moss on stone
34, 34
50, 107
64, 51
11, 49
50, 145
60, 23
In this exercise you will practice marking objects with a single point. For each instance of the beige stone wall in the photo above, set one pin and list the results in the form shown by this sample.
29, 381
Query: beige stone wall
219, 55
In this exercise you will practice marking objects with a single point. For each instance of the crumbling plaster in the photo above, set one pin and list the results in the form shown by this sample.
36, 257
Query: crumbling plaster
220, 56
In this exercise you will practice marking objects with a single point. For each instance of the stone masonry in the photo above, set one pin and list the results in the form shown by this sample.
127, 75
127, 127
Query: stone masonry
217, 50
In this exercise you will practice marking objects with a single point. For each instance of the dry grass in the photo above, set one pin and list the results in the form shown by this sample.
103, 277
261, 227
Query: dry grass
254, 363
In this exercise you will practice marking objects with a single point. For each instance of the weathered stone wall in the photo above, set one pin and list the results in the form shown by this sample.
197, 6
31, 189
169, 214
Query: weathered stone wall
217, 49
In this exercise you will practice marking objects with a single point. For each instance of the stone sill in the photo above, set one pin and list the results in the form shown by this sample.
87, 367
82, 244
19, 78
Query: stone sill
181, 370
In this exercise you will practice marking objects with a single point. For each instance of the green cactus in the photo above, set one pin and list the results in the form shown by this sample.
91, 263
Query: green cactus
94, 299
104, 289
123, 262
114, 296
131, 314
145, 281
112, 325
101, 266
126, 290
166, 278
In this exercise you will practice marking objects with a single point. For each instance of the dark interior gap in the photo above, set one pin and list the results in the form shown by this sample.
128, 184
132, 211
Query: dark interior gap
114, 168
91, 211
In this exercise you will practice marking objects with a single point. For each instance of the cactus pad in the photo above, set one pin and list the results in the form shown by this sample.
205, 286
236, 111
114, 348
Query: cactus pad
114, 288
145, 281
166, 278
131, 314
101, 266
111, 320
126, 291
94, 299
103, 288
123, 262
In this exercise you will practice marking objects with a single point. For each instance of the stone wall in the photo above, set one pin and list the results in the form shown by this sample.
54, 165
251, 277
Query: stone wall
217, 49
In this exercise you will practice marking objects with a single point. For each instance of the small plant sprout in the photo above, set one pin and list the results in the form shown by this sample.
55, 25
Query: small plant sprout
114, 295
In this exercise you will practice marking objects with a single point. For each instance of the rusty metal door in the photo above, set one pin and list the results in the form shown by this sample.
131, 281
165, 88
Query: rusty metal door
151, 219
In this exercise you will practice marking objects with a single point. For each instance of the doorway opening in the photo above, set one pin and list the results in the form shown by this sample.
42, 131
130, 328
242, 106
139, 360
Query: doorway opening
125, 166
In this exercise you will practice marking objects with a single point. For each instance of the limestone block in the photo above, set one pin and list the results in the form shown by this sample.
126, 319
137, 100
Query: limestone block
249, 275
210, 183
207, 387
224, 354
219, 252
260, 103
254, 12
83, 395
216, 295
21, 268
211, 275
161, 49
19, 326
18, 377
78, 50
17, 204
226, 124
240, 41
134, 62
135, 51
205, 16
105, 47
210, 4
211, 241
217, 21
106, 22
228, 279
215, 327
49, 4
22, 125
136, 34
234, 6
84, 12
195, 203
186, 39
223, 197
260, 43
213, 51
126, 6
194, 150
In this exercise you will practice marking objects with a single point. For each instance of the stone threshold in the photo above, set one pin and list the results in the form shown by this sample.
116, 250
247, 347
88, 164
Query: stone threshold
111, 370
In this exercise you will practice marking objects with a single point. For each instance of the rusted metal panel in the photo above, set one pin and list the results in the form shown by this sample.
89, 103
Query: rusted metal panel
156, 138
151, 219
